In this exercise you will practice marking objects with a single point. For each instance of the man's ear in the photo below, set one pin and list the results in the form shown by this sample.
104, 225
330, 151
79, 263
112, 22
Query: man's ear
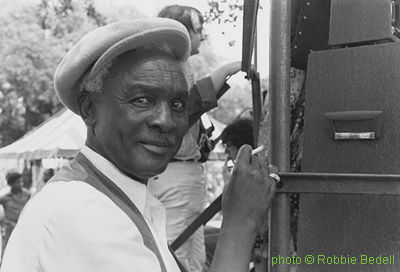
87, 108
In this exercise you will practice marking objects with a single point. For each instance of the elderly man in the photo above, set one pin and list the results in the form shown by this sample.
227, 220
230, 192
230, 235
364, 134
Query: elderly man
128, 82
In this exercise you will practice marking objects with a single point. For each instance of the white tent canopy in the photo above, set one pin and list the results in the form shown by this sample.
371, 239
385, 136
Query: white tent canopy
61, 136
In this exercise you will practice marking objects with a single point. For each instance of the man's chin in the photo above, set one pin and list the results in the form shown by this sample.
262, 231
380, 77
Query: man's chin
150, 164
158, 168
194, 52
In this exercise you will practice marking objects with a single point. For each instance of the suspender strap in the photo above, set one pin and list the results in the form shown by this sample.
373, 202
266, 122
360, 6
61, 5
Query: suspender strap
112, 191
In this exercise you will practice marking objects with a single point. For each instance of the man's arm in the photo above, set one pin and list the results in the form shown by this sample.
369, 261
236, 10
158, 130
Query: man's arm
245, 204
222, 73
202, 99
206, 91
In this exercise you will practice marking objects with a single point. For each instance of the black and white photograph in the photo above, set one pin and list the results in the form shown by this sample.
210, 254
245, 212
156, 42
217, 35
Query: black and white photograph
199, 135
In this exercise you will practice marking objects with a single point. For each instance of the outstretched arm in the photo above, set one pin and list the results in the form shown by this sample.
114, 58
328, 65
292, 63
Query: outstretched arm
205, 93
220, 75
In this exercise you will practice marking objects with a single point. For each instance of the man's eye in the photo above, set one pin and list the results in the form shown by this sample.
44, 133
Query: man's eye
198, 30
179, 105
141, 101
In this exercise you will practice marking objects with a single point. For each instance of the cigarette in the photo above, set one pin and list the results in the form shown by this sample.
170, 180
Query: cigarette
257, 150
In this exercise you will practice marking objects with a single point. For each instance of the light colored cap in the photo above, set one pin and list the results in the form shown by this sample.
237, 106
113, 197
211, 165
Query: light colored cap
100, 46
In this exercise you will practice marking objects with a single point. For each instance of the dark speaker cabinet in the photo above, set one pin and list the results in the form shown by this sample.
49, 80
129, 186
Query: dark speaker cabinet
355, 21
352, 125
359, 79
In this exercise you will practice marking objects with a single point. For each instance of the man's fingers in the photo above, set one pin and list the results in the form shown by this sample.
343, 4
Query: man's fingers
244, 155
272, 169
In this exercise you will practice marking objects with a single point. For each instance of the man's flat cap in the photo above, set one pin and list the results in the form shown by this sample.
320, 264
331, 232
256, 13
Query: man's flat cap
100, 46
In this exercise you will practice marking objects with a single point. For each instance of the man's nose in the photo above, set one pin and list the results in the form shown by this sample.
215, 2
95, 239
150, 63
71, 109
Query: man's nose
202, 36
163, 118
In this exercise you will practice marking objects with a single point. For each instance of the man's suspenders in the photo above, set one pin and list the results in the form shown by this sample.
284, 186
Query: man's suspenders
99, 181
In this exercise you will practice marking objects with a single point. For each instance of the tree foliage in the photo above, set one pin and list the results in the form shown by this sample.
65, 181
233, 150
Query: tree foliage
224, 11
32, 43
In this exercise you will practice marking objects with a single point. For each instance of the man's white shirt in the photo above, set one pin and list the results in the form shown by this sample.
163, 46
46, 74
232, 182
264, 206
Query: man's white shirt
71, 226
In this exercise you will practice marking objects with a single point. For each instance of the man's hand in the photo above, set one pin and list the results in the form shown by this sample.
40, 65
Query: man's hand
250, 192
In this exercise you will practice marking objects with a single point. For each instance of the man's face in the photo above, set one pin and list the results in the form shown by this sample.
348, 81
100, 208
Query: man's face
196, 36
17, 185
141, 116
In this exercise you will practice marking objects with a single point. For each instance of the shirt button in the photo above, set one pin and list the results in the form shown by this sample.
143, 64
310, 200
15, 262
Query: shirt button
308, 3
300, 33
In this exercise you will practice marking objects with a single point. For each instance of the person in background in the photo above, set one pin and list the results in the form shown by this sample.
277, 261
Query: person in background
182, 187
28, 182
234, 135
191, 18
12, 203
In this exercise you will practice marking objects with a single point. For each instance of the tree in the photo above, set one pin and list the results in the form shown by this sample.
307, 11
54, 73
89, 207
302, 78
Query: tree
32, 43
224, 11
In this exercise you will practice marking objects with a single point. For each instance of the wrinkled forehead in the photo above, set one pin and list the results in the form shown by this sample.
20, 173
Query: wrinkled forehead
148, 65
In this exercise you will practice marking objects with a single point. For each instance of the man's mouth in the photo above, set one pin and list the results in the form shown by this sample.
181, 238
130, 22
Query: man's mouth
157, 148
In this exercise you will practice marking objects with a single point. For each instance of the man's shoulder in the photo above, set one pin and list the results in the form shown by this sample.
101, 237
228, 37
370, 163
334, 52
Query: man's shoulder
74, 204
6, 195
65, 190
62, 202
26, 192
5, 198
62, 195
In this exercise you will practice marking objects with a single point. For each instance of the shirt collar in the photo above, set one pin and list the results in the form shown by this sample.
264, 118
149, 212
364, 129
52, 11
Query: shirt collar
136, 191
